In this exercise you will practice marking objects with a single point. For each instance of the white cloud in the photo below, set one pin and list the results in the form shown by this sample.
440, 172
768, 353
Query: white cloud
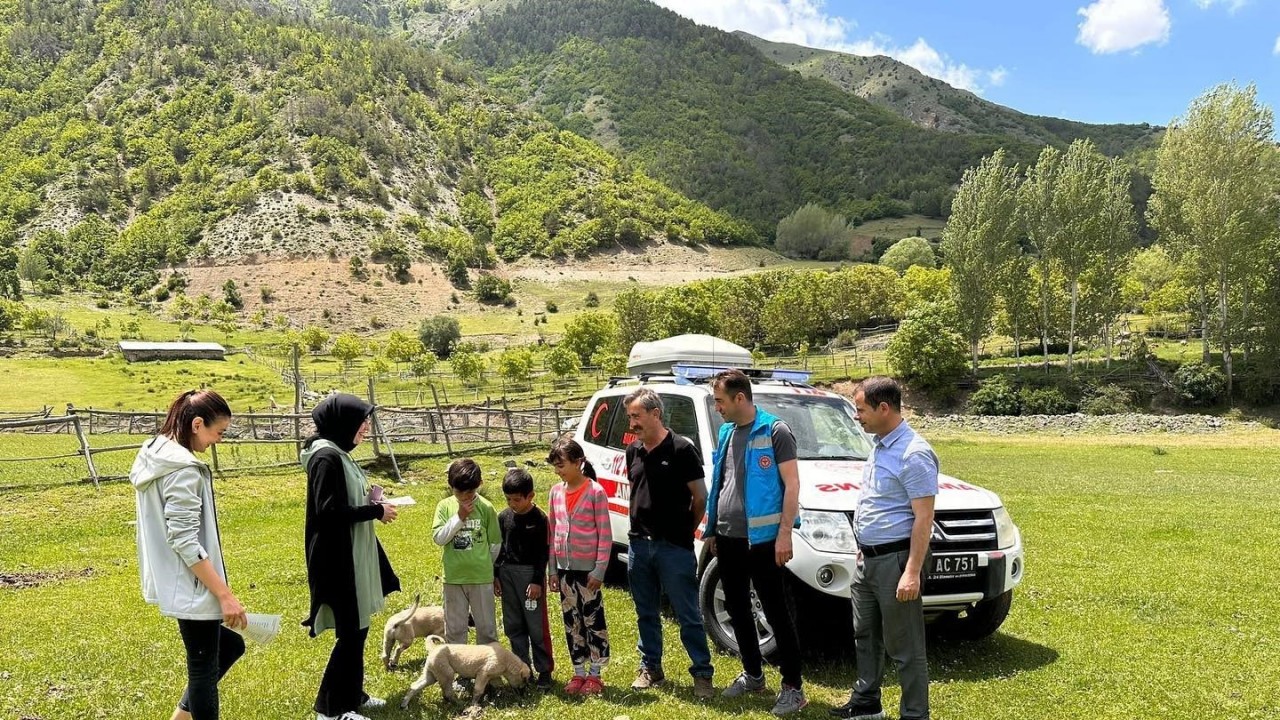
1232, 5
804, 22
793, 21
923, 57
1276, 50
1112, 26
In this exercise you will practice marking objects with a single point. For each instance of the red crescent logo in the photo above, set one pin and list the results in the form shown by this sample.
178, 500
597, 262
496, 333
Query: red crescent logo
595, 431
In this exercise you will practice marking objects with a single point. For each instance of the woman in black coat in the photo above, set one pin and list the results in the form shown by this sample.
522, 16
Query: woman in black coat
347, 571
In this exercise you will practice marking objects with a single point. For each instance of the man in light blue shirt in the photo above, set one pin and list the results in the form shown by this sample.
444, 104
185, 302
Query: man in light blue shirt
893, 522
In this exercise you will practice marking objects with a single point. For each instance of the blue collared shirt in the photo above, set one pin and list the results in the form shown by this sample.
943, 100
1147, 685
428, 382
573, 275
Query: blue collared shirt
902, 467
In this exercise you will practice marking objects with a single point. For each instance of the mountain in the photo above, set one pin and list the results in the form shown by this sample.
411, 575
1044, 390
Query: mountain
140, 133
932, 103
709, 113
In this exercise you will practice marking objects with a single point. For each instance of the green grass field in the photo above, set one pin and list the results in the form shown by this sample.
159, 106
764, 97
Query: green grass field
1149, 594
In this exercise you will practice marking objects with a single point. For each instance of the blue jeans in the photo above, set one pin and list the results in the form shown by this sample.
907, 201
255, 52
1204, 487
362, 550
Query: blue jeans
652, 567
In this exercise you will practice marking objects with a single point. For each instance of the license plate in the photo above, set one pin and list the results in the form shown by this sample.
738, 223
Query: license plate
950, 566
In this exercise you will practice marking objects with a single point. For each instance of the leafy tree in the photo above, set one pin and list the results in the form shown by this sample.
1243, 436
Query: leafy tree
10, 315
562, 362
1215, 203
231, 294
379, 366
907, 253
10, 283
980, 238
402, 347
468, 365
314, 338
346, 348
491, 289
422, 364
33, 267
637, 317
590, 332
439, 334
922, 285
515, 365
813, 232
925, 350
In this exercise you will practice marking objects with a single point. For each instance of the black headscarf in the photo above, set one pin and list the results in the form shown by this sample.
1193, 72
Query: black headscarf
337, 419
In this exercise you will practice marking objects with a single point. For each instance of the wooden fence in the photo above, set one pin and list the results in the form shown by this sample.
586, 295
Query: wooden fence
398, 433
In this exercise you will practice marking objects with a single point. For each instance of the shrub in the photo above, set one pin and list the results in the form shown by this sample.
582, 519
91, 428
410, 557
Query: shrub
1106, 400
266, 293
440, 334
1045, 401
996, 397
909, 252
552, 307
592, 300
231, 294
926, 350
161, 293
491, 289
1199, 384
102, 304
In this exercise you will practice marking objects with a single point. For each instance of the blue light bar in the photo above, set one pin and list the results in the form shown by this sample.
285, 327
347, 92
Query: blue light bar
795, 376
689, 374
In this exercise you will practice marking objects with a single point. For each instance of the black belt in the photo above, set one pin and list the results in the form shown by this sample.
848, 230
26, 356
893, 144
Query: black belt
885, 548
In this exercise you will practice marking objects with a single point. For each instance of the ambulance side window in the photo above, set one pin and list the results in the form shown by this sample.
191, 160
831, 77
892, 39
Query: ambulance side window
598, 422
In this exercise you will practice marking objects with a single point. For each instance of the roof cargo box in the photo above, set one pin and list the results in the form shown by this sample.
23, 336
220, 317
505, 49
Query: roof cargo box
660, 355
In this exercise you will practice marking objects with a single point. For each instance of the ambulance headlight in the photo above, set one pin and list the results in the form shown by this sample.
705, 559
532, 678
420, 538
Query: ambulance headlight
827, 531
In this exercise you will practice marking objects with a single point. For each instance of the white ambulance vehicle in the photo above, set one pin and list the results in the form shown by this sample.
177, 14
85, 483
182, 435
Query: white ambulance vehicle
977, 552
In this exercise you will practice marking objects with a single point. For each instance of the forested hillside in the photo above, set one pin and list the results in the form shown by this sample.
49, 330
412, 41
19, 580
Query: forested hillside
932, 103
707, 113
135, 133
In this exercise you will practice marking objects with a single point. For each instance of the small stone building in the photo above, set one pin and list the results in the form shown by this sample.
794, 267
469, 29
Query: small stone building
138, 350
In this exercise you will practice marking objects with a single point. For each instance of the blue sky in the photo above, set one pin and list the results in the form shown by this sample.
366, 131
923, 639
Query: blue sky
1091, 60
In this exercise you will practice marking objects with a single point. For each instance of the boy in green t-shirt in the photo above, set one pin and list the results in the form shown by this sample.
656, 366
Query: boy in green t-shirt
466, 526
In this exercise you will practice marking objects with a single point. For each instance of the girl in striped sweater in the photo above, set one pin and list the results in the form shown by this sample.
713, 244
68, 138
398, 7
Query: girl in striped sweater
581, 540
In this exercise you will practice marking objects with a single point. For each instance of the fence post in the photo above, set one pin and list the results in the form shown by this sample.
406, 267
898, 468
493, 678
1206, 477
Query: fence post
559, 425
444, 424
213, 453
511, 431
297, 401
377, 430
84, 448
253, 426
488, 416
374, 402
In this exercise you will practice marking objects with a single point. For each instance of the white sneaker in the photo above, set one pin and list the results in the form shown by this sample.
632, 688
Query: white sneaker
349, 715
373, 703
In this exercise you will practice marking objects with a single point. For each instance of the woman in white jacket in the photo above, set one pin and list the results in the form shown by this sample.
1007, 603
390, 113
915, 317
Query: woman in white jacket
179, 549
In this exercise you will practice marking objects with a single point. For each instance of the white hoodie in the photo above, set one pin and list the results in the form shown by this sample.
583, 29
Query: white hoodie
177, 527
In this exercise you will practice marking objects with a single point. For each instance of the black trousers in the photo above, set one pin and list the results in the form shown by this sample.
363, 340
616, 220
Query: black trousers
211, 651
342, 687
744, 567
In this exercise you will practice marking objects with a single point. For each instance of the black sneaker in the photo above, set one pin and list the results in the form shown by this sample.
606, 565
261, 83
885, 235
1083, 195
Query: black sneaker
544, 681
854, 710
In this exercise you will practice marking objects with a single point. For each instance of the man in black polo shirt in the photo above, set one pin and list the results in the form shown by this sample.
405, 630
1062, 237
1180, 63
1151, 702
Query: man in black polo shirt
667, 503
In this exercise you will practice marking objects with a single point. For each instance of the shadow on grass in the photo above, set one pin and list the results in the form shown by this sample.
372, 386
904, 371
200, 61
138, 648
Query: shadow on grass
998, 656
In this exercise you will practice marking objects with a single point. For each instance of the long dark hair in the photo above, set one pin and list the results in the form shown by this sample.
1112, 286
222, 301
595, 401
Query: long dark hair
567, 449
204, 404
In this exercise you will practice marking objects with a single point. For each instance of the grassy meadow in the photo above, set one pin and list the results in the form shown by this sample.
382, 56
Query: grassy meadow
1148, 595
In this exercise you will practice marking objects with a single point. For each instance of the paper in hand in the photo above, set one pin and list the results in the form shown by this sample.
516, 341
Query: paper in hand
400, 501
261, 629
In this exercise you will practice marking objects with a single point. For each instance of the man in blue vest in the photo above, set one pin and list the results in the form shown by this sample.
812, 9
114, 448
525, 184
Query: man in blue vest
893, 522
751, 510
